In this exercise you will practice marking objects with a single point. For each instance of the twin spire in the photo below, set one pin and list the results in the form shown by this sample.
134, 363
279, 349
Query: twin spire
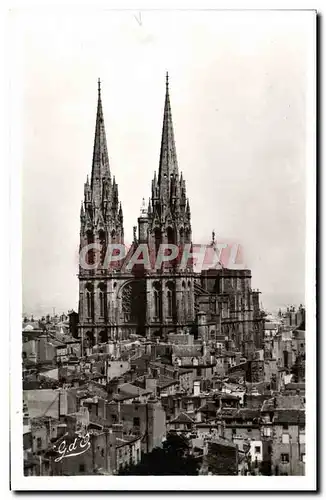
168, 165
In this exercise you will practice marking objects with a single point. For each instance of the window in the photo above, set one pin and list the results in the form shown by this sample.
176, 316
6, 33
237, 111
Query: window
136, 421
156, 303
39, 442
267, 431
257, 449
114, 419
157, 236
302, 438
234, 431
81, 468
102, 241
169, 303
303, 457
102, 303
285, 439
90, 253
88, 297
285, 427
90, 302
285, 458
102, 452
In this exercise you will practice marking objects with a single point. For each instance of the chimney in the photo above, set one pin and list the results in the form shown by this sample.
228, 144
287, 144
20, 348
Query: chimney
196, 387
204, 348
151, 384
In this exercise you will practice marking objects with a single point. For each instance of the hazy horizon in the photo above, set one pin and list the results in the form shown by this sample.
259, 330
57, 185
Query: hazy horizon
238, 97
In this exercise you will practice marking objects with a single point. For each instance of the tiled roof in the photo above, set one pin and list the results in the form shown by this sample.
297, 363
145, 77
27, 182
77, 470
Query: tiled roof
290, 417
222, 442
166, 382
182, 371
225, 396
293, 385
126, 439
208, 407
242, 413
186, 351
129, 390
182, 418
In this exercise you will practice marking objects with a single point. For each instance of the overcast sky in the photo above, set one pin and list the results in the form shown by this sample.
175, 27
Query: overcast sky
238, 97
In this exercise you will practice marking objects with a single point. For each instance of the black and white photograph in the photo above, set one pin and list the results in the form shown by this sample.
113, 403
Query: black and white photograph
166, 175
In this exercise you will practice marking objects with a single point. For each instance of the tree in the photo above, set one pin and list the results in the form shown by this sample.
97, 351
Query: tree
298, 368
174, 459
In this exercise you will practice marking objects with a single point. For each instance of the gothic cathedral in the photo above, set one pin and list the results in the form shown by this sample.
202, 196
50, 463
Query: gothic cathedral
117, 300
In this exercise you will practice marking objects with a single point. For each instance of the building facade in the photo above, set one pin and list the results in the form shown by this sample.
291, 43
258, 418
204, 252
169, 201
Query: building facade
151, 298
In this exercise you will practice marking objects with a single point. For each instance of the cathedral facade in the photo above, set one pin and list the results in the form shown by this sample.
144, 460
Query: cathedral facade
117, 300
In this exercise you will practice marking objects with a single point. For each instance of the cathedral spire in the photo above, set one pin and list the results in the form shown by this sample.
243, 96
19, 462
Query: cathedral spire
100, 165
168, 156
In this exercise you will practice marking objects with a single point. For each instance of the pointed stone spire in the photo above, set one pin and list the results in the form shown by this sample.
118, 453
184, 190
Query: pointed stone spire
168, 157
100, 165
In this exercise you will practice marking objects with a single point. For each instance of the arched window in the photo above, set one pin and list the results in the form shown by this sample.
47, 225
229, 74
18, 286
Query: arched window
101, 303
184, 299
157, 299
156, 303
102, 300
89, 302
170, 299
90, 253
170, 303
113, 237
89, 339
171, 236
157, 237
189, 296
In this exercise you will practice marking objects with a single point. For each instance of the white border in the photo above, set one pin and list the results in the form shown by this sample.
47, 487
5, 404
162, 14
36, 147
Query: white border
152, 483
